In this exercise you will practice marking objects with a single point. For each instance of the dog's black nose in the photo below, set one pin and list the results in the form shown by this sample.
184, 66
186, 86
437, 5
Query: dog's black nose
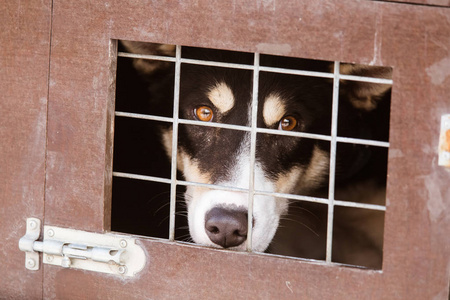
226, 227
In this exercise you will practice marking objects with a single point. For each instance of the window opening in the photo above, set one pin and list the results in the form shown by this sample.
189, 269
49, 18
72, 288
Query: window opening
244, 140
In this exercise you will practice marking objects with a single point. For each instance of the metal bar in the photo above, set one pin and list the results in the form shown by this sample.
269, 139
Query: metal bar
141, 177
322, 200
360, 205
366, 79
212, 186
178, 182
258, 130
212, 124
147, 56
254, 130
143, 116
362, 142
333, 146
294, 134
296, 72
293, 197
324, 137
216, 64
251, 67
173, 175
254, 111
256, 192
187, 61
181, 121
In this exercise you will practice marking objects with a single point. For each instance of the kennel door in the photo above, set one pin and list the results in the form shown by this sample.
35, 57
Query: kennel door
24, 58
413, 40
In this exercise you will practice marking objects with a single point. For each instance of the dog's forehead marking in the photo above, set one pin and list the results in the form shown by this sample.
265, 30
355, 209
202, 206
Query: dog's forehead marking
273, 109
221, 96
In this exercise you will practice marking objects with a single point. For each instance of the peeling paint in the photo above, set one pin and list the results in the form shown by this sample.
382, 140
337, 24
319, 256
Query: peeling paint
279, 49
395, 153
439, 71
288, 284
377, 43
436, 200
266, 4
143, 32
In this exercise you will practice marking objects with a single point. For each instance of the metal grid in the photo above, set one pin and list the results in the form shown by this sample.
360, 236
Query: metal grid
253, 129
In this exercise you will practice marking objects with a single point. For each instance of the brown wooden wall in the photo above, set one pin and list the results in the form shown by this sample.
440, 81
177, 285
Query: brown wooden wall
56, 136
24, 65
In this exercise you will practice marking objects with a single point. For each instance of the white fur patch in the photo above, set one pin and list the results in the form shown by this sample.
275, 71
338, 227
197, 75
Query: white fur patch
266, 209
222, 97
273, 109
266, 212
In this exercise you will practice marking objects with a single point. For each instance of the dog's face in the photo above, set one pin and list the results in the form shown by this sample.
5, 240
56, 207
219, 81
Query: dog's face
222, 156
283, 164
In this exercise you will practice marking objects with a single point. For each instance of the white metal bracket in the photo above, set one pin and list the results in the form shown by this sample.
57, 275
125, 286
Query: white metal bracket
69, 248
444, 142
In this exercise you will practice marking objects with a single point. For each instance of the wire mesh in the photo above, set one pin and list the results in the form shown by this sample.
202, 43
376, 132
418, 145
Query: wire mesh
333, 138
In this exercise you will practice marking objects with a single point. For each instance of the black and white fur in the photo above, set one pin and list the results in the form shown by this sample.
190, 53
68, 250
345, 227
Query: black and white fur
284, 164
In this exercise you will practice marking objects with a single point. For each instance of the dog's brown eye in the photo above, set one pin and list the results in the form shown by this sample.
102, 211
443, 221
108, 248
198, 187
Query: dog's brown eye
203, 113
287, 123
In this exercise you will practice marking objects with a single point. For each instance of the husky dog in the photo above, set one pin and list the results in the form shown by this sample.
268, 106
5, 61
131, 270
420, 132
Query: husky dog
283, 164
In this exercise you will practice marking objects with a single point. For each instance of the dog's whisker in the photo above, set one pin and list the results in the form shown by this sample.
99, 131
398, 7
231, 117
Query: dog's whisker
188, 240
160, 208
157, 196
183, 237
302, 224
182, 228
179, 202
163, 220
299, 208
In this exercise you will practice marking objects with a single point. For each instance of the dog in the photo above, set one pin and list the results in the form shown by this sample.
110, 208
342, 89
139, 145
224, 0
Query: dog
283, 164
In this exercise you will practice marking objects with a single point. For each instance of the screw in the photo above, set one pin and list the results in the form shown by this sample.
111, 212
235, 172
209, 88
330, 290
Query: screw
31, 263
49, 257
122, 269
50, 232
32, 224
123, 243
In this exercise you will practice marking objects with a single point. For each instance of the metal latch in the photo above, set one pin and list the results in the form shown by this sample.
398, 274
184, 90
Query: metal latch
444, 142
69, 248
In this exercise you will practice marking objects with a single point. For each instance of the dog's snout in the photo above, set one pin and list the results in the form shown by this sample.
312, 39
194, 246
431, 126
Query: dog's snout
226, 227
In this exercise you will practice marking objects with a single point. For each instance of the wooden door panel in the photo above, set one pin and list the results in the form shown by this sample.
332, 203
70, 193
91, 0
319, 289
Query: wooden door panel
24, 58
414, 40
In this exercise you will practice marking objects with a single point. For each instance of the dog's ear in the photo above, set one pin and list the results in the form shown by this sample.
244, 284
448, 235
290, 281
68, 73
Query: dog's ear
365, 95
146, 66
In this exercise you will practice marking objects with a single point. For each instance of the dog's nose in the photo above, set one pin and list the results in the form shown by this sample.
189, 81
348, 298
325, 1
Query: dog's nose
226, 227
